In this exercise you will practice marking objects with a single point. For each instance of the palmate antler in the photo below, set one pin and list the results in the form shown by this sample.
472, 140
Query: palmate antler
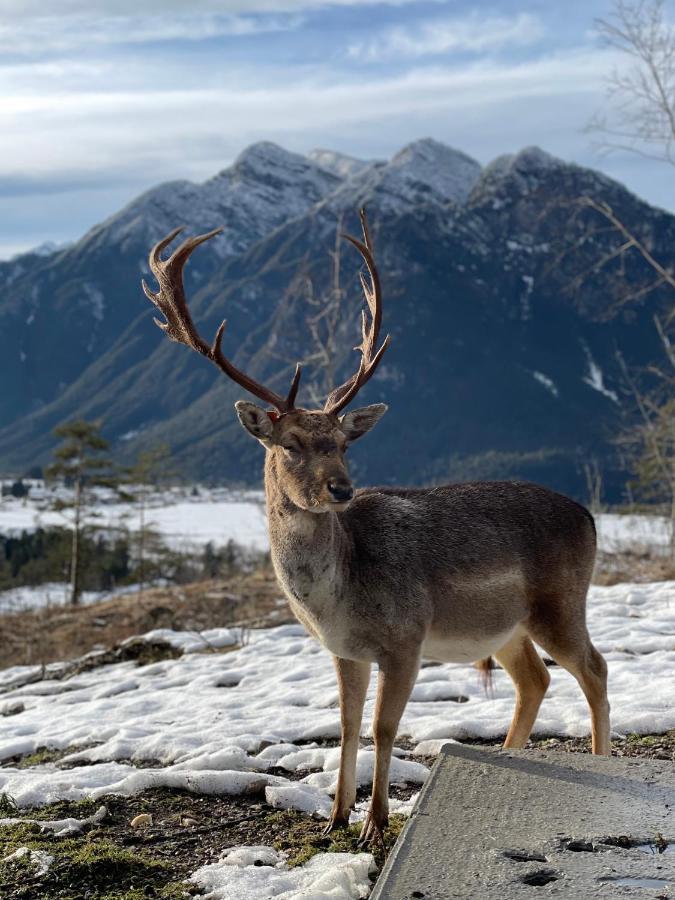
170, 301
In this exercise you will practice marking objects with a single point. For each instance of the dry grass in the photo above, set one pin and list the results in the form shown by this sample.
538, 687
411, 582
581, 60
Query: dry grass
62, 632
59, 633
638, 565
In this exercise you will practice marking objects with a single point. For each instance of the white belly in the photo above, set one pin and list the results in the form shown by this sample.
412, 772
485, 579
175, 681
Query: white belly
463, 648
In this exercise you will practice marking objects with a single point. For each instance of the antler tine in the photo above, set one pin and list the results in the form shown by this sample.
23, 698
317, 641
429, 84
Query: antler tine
370, 358
170, 301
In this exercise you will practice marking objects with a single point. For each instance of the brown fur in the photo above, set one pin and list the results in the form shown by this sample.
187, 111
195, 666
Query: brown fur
460, 572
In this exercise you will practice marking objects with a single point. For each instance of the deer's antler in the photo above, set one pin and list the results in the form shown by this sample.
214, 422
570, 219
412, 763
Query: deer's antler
370, 355
170, 301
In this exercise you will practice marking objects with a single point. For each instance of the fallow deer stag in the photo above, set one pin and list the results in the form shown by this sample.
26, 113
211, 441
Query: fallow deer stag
455, 573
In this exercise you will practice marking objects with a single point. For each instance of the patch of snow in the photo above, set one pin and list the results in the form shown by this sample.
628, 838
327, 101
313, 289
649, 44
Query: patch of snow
282, 691
182, 520
61, 827
546, 381
595, 379
338, 876
617, 533
54, 593
39, 858
95, 299
339, 164
194, 641
303, 797
525, 297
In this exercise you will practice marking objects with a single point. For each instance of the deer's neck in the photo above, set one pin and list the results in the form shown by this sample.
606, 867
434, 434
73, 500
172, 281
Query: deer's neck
309, 551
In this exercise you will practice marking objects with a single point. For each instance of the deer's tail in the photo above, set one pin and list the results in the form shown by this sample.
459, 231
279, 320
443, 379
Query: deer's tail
485, 667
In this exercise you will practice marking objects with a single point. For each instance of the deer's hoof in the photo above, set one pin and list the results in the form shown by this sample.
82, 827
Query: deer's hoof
373, 830
337, 820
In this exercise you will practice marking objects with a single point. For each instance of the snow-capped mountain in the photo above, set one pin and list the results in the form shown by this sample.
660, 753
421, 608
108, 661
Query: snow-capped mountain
497, 366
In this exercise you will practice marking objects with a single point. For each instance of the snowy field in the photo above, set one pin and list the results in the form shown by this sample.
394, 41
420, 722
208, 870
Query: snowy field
269, 704
190, 520
185, 520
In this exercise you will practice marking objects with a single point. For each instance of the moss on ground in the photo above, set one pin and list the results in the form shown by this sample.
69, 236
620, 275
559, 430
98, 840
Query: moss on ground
112, 861
41, 756
302, 838
94, 863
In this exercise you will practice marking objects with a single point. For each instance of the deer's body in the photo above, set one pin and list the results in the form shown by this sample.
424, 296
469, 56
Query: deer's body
454, 570
387, 576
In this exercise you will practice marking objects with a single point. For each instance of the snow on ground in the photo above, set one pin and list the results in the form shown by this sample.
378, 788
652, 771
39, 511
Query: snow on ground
617, 533
250, 873
191, 517
267, 704
55, 593
184, 520
242, 721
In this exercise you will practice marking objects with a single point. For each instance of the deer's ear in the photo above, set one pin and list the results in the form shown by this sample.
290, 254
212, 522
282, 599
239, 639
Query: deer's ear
256, 421
359, 421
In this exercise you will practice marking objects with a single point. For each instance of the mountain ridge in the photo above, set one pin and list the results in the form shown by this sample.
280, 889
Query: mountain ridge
485, 331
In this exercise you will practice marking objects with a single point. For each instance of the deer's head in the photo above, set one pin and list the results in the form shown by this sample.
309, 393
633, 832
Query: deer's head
308, 450
307, 446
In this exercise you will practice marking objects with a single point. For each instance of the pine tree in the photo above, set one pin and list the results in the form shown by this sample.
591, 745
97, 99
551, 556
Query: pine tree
80, 463
150, 470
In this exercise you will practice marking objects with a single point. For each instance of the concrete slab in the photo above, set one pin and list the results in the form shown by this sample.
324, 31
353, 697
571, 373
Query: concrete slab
495, 825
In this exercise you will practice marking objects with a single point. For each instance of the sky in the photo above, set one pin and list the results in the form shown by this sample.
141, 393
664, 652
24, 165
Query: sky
102, 99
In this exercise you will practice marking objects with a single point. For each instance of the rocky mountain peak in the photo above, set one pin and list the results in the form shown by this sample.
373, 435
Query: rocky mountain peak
449, 173
423, 172
340, 164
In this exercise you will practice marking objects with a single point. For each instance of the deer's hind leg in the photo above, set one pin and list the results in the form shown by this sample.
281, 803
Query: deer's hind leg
531, 680
576, 653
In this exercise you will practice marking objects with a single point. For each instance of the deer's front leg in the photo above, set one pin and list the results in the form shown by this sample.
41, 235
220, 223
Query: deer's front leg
353, 678
395, 683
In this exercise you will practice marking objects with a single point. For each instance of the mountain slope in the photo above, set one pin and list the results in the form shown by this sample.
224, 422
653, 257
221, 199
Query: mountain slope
61, 311
496, 369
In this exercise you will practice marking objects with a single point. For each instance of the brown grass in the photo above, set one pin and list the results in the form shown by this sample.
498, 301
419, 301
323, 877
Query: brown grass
633, 565
62, 632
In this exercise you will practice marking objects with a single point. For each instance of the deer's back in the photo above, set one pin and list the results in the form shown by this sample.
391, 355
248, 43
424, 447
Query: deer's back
470, 530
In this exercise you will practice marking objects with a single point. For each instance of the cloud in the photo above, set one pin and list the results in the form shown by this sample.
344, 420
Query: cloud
54, 34
25, 9
440, 36
155, 128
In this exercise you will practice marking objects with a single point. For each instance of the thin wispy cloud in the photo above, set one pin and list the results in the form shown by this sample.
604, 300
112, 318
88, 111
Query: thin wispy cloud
18, 9
47, 35
76, 123
441, 36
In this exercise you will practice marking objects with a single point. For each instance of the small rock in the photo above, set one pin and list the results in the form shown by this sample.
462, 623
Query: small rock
141, 821
187, 821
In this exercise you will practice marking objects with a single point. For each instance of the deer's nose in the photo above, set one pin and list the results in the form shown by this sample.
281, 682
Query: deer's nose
340, 489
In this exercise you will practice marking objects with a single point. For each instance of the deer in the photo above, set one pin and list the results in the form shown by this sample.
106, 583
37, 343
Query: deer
459, 573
